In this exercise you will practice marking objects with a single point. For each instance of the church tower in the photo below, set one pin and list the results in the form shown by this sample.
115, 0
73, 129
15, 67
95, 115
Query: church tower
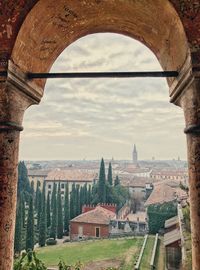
135, 155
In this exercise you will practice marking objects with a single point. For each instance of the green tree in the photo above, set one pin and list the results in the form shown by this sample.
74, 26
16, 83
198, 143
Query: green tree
53, 196
66, 209
23, 209
43, 220
59, 214
54, 214
117, 181
110, 180
18, 228
37, 195
72, 202
158, 214
78, 204
30, 226
39, 208
23, 181
102, 183
48, 211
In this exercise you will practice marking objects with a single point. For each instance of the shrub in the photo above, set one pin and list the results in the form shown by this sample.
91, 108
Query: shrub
29, 261
51, 242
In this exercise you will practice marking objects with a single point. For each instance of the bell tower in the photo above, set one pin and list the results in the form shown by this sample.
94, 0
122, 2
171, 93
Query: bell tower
135, 155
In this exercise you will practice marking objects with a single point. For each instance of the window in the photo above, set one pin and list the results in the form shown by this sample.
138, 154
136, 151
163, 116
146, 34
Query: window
62, 186
49, 186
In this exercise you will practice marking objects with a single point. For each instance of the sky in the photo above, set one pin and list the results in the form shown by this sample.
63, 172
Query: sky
94, 118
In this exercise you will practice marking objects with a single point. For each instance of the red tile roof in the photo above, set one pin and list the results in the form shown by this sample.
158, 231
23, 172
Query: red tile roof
71, 175
161, 194
99, 215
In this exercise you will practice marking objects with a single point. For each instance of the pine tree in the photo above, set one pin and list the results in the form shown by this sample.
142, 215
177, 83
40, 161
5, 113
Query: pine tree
117, 181
54, 213
110, 180
66, 209
30, 226
18, 229
48, 212
59, 214
43, 220
102, 183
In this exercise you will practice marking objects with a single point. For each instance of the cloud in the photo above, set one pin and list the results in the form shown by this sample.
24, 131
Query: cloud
90, 118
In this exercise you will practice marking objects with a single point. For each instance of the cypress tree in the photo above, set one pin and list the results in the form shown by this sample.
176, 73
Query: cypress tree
53, 196
48, 211
117, 181
102, 183
37, 195
30, 227
77, 200
59, 215
89, 196
39, 208
66, 209
110, 180
23, 209
23, 181
43, 221
32, 188
54, 214
72, 202
18, 229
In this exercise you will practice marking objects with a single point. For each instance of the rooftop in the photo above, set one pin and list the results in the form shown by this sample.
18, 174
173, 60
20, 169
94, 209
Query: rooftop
172, 237
171, 222
161, 194
71, 175
99, 215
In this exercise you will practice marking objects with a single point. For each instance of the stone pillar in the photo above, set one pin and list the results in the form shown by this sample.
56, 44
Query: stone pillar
16, 95
186, 94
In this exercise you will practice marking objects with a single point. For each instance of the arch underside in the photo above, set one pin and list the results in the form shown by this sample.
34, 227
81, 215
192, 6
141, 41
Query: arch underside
49, 29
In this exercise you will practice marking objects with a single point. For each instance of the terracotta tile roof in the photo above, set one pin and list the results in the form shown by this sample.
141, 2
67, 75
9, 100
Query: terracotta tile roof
172, 237
171, 222
71, 175
161, 194
99, 215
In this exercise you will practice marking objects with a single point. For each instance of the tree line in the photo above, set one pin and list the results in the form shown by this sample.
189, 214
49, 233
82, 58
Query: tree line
41, 215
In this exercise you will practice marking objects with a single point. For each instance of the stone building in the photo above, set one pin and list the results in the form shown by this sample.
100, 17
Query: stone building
77, 177
37, 175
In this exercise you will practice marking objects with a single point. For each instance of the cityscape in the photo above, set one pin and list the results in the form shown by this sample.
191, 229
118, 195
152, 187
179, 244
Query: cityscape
99, 135
80, 200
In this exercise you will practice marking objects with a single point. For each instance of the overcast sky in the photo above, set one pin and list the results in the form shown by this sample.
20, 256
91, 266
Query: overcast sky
94, 118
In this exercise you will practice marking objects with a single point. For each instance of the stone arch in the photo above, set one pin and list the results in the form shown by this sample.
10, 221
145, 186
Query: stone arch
49, 29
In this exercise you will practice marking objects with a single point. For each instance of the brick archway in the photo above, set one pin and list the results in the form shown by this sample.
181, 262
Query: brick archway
48, 30
34, 33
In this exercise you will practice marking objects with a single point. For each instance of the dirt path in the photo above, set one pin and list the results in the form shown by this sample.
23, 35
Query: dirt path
103, 264
160, 257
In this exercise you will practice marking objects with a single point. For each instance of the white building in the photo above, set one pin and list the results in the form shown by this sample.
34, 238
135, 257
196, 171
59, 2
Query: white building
77, 177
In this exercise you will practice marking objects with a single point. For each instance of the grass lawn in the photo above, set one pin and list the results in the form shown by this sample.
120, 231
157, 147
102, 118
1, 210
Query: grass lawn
87, 251
146, 258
